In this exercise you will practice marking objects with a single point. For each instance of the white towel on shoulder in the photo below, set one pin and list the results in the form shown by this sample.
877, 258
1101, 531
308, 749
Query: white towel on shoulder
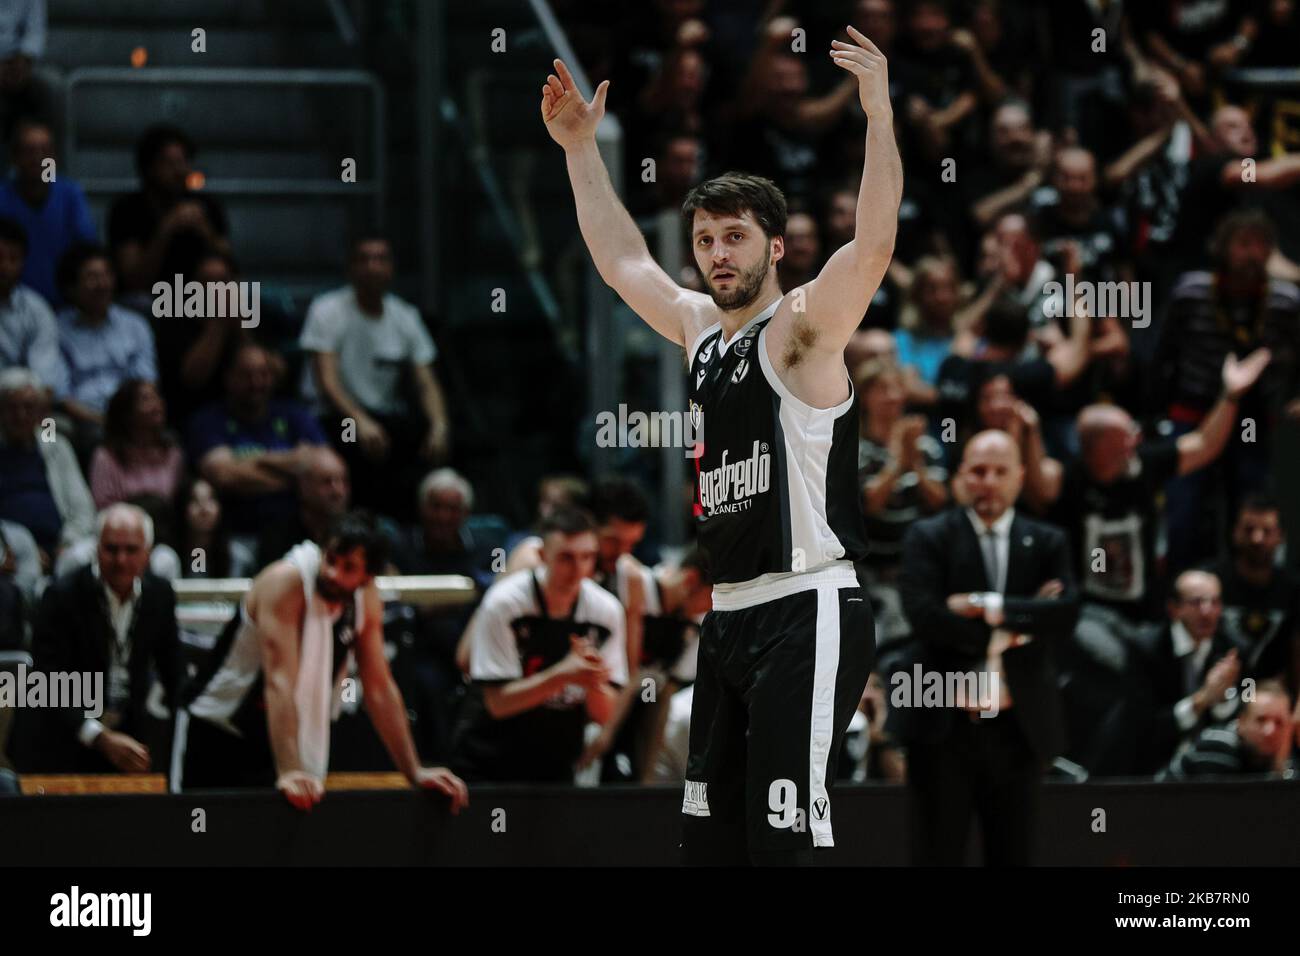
313, 694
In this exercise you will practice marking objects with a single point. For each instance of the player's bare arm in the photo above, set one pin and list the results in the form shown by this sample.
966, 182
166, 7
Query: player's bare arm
387, 710
616, 245
276, 606
809, 331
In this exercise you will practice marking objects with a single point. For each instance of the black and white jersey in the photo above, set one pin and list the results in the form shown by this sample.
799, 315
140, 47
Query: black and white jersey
511, 637
776, 488
669, 642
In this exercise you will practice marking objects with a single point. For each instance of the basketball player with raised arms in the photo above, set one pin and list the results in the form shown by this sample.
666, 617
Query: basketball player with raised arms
787, 649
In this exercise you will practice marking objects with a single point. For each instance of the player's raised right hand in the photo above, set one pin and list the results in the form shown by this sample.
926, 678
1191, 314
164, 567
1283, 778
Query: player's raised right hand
569, 119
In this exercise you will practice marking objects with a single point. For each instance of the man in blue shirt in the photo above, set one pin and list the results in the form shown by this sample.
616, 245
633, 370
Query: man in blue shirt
250, 446
49, 206
103, 344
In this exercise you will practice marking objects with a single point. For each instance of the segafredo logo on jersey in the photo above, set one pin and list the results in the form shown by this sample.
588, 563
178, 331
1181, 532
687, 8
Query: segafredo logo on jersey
731, 486
208, 300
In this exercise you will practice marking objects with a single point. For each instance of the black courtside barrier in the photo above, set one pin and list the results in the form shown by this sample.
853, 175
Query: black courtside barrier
1145, 824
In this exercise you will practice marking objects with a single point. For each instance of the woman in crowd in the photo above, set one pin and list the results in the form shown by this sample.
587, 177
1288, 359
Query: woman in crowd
139, 456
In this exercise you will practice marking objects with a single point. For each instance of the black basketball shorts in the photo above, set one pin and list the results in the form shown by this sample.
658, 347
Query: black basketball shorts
782, 667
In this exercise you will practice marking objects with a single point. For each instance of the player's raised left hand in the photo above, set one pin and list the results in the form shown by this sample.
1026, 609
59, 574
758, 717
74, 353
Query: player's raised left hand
444, 781
864, 60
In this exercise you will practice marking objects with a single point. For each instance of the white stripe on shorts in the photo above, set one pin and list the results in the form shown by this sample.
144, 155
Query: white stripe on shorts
826, 664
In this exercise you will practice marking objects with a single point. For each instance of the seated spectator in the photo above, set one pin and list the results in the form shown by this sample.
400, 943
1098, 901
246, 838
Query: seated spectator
1257, 742
1107, 495
161, 230
41, 486
870, 751
365, 343
1002, 349
1187, 673
192, 354
803, 252
1018, 159
938, 81
553, 491
22, 42
52, 210
115, 619
997, 407
926, 330
139, 455
867, 344
323, 495
29, 336
206, 549
103, 344
547, 654
251, 446
20, 561
1261, 598
901, 472
1235, 308
1217, 184
442, 543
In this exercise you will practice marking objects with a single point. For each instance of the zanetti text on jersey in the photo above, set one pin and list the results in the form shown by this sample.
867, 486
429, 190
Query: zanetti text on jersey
732, 485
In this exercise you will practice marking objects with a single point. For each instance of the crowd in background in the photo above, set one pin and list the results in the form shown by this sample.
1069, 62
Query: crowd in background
1033, 154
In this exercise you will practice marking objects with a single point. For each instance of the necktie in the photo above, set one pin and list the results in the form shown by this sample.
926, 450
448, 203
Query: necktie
989, 542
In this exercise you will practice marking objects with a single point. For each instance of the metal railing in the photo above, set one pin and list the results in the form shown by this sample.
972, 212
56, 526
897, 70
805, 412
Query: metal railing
372, 187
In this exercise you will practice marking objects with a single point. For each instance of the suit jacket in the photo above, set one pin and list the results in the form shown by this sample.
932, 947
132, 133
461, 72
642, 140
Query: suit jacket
1162, 674
73, 632
941, 556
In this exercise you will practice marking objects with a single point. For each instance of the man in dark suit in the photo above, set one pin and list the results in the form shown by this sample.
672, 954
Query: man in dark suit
986, 589
113, 619
1186, 666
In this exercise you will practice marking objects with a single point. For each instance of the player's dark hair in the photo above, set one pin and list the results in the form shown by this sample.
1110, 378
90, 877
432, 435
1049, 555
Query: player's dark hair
1258, 501
622, 498
567, 521
11, 231
734, 194
357, 529
71, 262
1006, 324
157, 138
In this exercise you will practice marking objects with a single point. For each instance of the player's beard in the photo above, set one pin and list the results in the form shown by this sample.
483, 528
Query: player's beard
329, 590
746, 287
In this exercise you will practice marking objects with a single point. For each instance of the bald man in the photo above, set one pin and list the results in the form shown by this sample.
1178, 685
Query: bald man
1106, 497
988, 591
324, 492
117, 621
